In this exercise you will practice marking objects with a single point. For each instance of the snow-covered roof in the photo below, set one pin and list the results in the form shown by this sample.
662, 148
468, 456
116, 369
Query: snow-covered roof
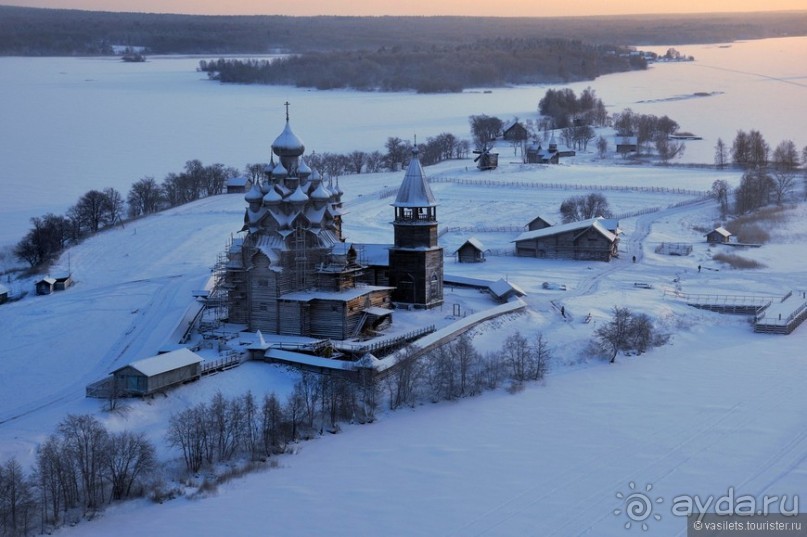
162, 363
473, 241
502, 287
47, 279
415, 190
347, 294
3, 289
237, 181
722, 231
307, 359
368, 254
627, 140
547, 221
580, 225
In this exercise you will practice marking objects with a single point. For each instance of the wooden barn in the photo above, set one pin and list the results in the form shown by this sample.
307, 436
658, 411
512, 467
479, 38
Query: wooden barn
471, 251
158, 373
45, 286
590, 240
3, 294
718, 235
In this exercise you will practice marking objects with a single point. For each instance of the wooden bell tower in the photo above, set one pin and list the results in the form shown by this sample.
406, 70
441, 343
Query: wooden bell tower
416, 260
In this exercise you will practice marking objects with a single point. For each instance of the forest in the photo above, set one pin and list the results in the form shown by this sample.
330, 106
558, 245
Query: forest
61, 32
434, 69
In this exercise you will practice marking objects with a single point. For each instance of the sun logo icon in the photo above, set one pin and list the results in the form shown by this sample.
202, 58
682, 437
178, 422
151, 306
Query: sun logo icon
638, 506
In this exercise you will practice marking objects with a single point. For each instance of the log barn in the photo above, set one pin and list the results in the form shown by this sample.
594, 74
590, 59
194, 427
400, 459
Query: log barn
583, 240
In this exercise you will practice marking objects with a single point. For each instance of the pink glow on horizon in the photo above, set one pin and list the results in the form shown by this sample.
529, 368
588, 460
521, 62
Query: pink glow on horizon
476, 8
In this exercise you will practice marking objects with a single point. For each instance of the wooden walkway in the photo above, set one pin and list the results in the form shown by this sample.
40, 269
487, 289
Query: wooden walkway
784, 316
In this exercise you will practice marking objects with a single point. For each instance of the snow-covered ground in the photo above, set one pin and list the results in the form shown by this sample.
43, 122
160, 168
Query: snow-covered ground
718, 407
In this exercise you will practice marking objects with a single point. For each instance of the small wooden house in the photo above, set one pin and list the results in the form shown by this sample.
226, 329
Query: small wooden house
62, 282
158, 373
515, 132
539, 222
718, 235
472, 251
627, 144
238, 185
45, 286
3, 294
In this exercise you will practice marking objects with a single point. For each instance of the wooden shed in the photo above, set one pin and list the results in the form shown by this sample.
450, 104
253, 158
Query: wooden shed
472, 251
718, 235
62, 282
45, 286
151, 375
3, 294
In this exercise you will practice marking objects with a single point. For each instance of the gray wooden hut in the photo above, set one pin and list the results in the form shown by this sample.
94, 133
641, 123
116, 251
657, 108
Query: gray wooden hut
45, 285
471, 251
718, 235
62, 282
151, 375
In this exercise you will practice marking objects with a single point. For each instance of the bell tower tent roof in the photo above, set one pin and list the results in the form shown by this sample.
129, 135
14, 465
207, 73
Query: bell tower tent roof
415, 190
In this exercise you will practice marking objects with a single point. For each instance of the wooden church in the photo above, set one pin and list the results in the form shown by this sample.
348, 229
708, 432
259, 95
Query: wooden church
286, 276
293, 273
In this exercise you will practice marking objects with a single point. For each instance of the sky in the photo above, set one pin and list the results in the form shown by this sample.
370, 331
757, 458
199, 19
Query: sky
508, 8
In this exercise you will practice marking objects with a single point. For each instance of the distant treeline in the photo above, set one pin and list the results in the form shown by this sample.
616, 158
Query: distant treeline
59, 32
434, 69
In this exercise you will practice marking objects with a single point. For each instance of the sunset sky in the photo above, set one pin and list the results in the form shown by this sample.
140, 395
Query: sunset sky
509, 8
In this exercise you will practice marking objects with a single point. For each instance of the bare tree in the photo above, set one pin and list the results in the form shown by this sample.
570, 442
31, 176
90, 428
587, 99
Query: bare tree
86, 443
720, 190
485, 129
783, 182
130, 458
754, 191
785, 157
721, 154
402, 383
669, 149
602, 146
113, 206
357, 160
584, 207
17, 503
272, 419
145, 197
613, 335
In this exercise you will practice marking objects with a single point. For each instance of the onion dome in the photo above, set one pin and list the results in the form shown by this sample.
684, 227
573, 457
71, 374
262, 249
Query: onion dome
338, 191
254, 195
321, 193
272, 197
280, 170
287, 144
303, 170
298, 196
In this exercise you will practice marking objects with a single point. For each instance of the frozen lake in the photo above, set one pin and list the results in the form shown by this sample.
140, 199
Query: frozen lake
73, 124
